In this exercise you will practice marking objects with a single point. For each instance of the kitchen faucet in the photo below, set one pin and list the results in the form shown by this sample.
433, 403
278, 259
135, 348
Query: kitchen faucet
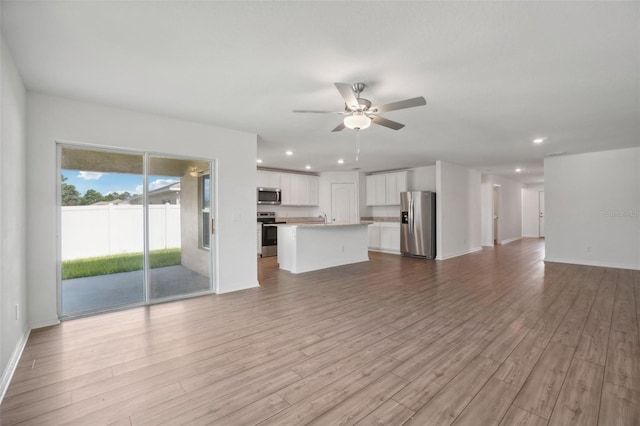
324, 215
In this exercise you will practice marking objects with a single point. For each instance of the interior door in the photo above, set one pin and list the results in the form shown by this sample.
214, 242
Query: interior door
541, 213
343, 203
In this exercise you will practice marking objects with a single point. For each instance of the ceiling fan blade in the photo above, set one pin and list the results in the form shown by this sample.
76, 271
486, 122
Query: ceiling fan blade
349, 97
386, 123
320, 112
339, 127
407, 103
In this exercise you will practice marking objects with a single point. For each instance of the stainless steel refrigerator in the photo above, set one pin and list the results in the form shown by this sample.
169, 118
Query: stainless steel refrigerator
418, 224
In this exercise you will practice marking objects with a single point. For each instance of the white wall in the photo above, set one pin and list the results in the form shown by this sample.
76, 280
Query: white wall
422, 178
13, 170
486, 211
530, 210
592, 206
52, 119
457, 210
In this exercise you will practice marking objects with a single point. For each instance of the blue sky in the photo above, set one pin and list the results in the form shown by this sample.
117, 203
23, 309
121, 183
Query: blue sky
106, 183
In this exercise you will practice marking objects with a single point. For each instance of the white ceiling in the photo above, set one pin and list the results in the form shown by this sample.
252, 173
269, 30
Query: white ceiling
495, 74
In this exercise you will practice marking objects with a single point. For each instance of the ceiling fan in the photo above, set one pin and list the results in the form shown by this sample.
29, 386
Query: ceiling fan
358, 112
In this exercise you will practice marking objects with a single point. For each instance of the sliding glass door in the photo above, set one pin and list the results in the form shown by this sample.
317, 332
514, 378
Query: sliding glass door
179, 256
134, 228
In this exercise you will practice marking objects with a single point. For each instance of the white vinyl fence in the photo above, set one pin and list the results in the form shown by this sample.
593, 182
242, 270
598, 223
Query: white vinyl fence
93, 231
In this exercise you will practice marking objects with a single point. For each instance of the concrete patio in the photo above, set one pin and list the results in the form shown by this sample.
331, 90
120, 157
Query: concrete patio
102, 292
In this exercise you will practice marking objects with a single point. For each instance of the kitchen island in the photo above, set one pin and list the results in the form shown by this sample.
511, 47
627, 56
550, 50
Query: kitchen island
309, 247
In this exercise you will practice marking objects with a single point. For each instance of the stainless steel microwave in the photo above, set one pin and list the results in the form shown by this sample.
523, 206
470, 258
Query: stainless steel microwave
269, 196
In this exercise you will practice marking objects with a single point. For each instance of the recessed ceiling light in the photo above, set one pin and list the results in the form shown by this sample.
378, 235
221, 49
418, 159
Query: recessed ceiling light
289, 152
307, 167
539, 140
259, 161
341, 161
518, 170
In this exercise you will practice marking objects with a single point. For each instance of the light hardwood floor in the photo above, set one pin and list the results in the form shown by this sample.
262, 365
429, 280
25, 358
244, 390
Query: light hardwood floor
495, 337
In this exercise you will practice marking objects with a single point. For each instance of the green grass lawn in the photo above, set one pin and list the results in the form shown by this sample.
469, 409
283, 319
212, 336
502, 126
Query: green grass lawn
104, 265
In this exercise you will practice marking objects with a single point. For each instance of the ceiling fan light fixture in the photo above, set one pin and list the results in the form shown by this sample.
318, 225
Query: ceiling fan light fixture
357, 121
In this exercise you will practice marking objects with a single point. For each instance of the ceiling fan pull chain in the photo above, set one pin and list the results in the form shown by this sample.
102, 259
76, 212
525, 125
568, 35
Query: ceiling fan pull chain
357, 145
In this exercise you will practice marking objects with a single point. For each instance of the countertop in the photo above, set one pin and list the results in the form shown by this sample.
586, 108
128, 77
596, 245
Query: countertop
315, 225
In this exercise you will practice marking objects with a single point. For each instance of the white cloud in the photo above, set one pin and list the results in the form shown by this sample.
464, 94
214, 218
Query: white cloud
90, 175
158, 183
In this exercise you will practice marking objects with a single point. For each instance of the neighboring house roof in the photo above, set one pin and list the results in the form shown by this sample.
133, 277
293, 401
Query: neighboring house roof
172, 189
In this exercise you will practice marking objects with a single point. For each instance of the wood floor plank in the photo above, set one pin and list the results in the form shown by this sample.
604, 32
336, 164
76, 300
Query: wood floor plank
424, 387
623, 363
215, 401
355, 408
253, 413
489, 406
330, 396
388, 342
517, 367
390, 413
449, 403
519, 417
579, 398
540, 391
620, 406
310, 384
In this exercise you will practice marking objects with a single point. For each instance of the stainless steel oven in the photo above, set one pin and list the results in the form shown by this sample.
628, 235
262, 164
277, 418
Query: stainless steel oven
269, 234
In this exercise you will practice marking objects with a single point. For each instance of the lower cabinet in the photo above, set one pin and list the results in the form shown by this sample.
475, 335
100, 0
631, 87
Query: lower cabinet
385, 236
374, 236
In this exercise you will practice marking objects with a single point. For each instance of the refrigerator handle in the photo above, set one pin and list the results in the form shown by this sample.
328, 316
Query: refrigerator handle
411, 216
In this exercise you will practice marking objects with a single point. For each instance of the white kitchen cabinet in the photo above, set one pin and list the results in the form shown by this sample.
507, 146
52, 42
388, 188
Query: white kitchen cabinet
390, 237
299, 190
303, 190
384, 189
374, 236
396, 183
391, 188
385, 236
371, 190
314, 190
376, 190
267, 179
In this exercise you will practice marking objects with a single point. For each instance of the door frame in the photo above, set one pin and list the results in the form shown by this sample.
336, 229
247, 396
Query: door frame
495, 214
213, 214
543, 217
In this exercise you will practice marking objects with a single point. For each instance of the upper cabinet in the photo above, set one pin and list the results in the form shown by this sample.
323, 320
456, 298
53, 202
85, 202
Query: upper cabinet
267, 179
384, 189
297, 190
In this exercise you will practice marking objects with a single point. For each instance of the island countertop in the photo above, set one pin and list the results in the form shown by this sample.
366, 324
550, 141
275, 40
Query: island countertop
307, 247
315, 225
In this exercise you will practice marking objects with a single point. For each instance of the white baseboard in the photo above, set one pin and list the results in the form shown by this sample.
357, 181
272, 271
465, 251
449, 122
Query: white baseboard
7, 374
385, 251
510, 240
462, 253
239, 288
42, 324
592, 263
